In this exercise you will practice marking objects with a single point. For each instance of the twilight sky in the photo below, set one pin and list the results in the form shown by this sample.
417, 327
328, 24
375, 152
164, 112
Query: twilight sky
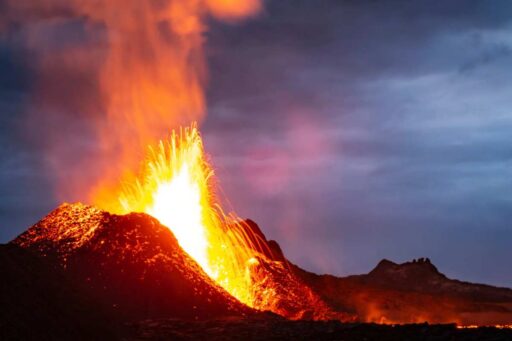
351, 131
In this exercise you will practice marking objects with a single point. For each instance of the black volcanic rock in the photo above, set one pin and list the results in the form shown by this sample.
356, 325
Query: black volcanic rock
268, 248
129, 264
39, 301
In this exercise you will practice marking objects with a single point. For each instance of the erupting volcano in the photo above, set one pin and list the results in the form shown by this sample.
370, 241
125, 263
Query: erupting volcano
141, 246
176, 186
197, 262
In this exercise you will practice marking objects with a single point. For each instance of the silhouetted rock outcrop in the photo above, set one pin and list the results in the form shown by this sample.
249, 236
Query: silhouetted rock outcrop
268, 248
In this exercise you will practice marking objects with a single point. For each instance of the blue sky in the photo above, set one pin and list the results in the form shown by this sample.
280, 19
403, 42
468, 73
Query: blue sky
351, 131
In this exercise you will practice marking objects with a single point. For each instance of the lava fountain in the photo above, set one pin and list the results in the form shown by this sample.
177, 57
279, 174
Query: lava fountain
175, 185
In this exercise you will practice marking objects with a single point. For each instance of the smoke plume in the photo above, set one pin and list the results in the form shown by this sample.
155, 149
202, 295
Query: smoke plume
118, 74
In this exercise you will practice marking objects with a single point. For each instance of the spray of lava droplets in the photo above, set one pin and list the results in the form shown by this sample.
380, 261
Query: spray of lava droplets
174, 185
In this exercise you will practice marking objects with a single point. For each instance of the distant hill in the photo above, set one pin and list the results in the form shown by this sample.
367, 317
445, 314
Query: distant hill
412, 292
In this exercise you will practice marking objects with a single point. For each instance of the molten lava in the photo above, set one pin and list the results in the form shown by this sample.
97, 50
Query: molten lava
174, 186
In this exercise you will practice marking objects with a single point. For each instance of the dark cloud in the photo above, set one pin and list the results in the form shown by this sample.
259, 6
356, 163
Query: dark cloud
406, 105
487, 56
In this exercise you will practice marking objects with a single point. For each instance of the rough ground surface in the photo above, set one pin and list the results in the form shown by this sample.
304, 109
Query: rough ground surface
271, 328
38, 301
130, 264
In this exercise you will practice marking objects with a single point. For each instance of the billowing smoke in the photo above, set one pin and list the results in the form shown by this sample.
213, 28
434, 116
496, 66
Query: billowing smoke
118, 74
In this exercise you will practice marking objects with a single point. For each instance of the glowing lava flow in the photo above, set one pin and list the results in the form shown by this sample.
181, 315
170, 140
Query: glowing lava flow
174, 187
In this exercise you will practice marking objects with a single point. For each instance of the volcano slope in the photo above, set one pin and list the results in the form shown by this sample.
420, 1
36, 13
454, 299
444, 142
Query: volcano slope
39, 301
132, 268
277, 288
130, 265
135, 267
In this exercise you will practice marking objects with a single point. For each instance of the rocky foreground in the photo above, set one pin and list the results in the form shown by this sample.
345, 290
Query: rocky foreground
272, 328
